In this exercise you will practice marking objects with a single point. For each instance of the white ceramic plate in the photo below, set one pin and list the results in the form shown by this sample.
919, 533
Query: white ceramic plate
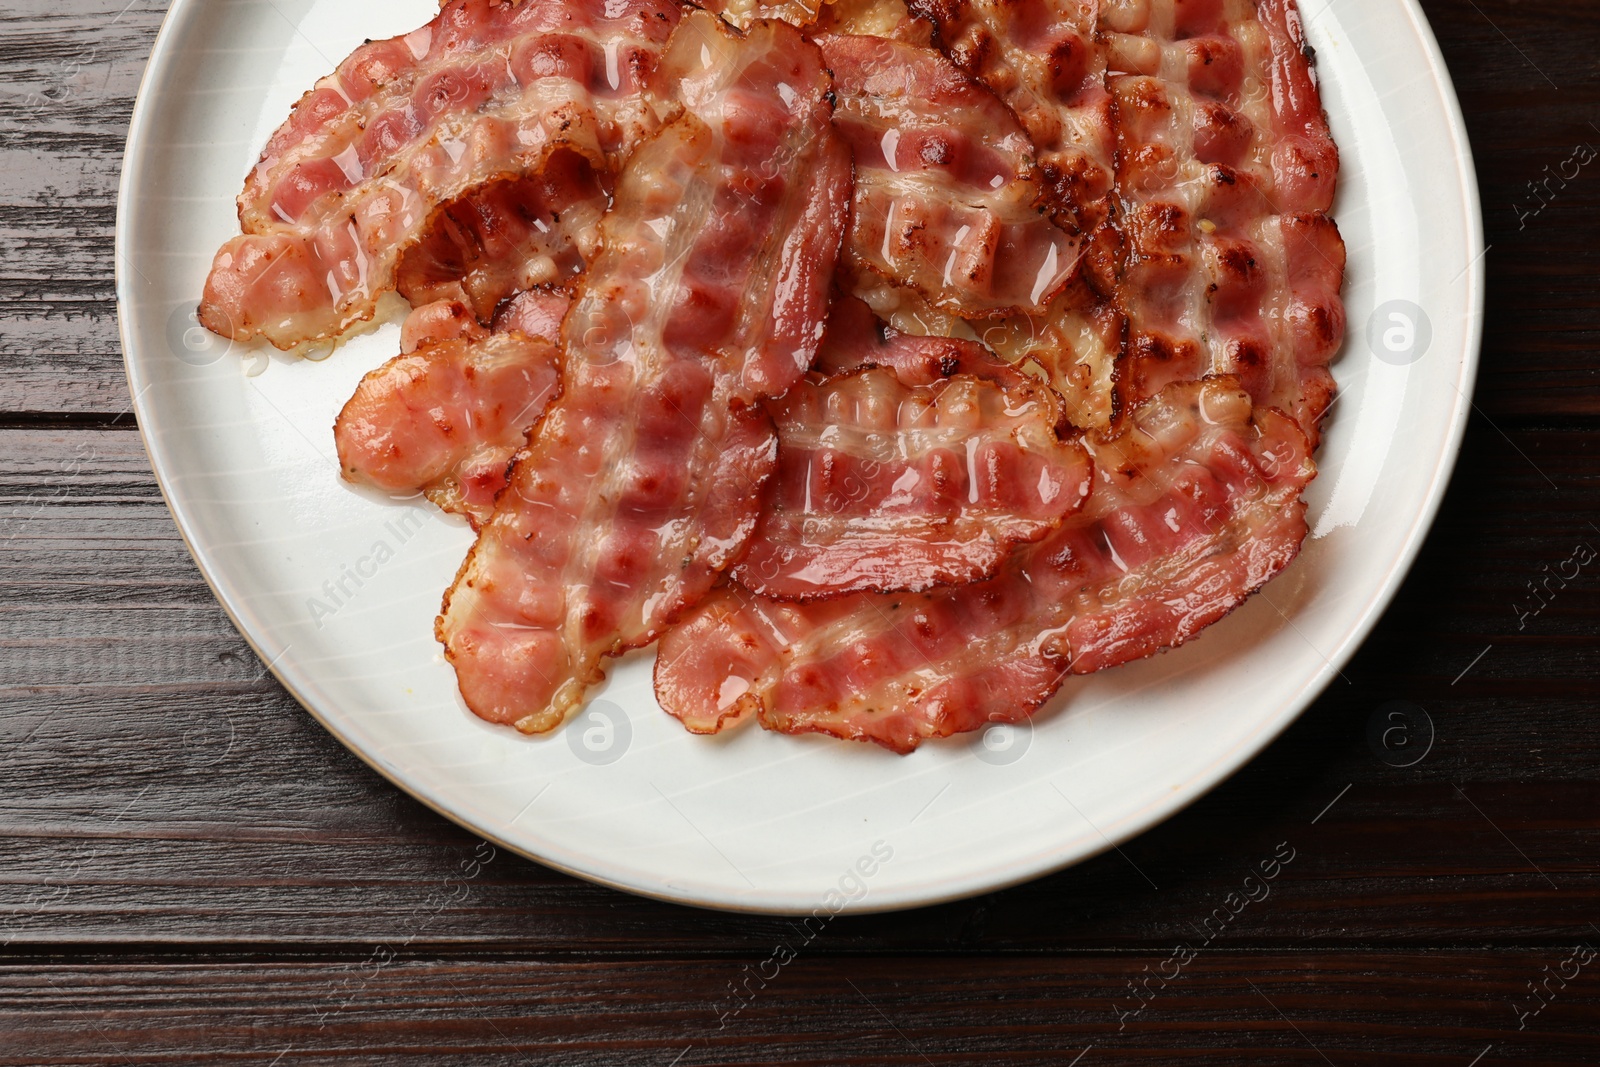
337, 590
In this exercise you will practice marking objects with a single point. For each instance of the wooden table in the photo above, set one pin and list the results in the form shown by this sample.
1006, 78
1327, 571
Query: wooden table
191, 870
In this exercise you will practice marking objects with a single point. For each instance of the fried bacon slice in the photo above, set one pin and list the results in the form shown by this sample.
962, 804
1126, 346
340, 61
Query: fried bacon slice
946, 197
877, 18
442, 320
1043, 58
467, 159
1040, 57
955, 216
921, 467
1195, 506
509, 234
536, 313
445, 418
874, 18
745, 13
1228, 171
643, 481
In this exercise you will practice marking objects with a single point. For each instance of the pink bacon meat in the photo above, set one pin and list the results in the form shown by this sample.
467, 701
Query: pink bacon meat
874, 18
446, 419
1040, 57
879, 18
644, 480
745, 13
536, 313
469, 158
1194, 507
442, 320
1198, 500
1228, 171
946, 197
506, 235
921, 467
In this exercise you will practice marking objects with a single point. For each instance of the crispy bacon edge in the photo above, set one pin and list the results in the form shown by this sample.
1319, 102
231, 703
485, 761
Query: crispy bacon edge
899, 670
663, 357
867, 497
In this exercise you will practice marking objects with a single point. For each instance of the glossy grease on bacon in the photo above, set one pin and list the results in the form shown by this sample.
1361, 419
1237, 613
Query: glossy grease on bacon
947, 200
467, 159
643, 481
446, 418
1067, 424
1041, 58
1194, 507
920, 466
1225, 164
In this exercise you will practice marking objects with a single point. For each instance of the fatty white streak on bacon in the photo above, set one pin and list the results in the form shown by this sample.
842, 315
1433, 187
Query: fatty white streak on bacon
1228, 171
1076, 343
441, 320
446, 419
878, 18
469, 158
536, 313
745, 13
920, 467
1039, 56
644, 480
1195, 506
874, 18
946, 197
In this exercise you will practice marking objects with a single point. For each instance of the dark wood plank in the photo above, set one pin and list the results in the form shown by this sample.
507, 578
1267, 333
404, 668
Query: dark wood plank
68, 75
1417, 1010
1525, 73
1532, 106
158, 788
192, 871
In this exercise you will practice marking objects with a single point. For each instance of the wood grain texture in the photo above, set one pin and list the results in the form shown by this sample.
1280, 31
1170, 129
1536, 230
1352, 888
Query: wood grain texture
191, 870
68, 75
1371, 1008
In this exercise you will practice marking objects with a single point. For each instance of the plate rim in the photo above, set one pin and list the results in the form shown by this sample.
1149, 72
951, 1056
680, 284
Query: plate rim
1153, 814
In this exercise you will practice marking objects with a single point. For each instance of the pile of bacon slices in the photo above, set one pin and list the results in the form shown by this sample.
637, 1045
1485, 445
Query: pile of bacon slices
886, 364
